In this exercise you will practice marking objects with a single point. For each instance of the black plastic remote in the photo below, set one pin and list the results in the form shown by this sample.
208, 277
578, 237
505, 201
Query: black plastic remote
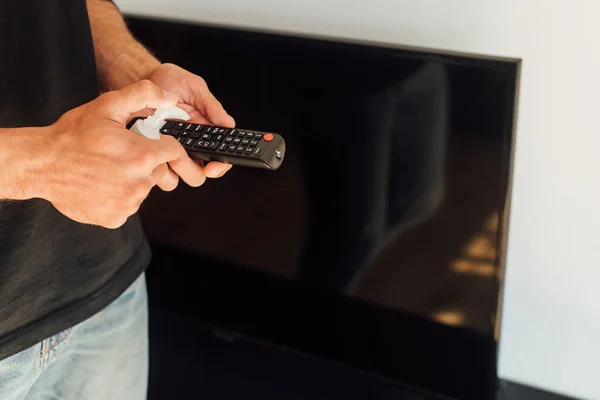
232, 146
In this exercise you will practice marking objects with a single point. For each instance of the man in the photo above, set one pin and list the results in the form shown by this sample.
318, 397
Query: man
73, 316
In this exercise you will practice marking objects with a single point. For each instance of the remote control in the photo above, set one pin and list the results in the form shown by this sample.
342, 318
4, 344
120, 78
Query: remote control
233, 146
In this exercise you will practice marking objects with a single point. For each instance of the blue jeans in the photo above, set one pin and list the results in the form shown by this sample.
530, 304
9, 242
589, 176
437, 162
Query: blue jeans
104, 357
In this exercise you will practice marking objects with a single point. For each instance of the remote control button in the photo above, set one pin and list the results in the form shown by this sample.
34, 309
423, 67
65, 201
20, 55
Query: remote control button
199, 128
233, 132
199, 144
218, 138
223, 147
165, 131
185, 134
248, 151
249, 135
237, 141
253, 143
241, 134
257, 136
213, 145
206, 136
240, 149
180, 125
195, 135
245, 142
231, 148
259, 152
228, 139
190, 127
176, 132
169, 124
206, 145
181, 140
222, 131
189, 142
268, 137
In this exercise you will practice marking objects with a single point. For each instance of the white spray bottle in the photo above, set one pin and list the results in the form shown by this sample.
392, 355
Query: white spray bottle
150, 127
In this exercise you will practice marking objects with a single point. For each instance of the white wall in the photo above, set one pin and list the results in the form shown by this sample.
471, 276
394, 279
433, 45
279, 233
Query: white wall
550, 336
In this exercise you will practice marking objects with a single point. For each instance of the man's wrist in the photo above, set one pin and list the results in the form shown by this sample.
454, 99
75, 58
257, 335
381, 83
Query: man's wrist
22, 166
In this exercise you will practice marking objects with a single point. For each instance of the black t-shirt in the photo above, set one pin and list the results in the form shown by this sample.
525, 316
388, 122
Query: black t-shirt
54, 272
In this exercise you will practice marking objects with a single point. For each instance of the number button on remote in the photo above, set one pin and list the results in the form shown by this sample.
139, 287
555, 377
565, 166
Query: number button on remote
239, 149
223, 147
236, 141
253, 143
228, 139
257, 136
231, 148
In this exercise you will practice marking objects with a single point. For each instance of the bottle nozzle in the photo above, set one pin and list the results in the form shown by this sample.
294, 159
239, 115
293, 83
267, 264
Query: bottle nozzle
150, 127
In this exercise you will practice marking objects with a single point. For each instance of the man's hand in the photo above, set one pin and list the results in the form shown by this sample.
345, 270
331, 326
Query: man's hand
97, 171
197, 100
122, 60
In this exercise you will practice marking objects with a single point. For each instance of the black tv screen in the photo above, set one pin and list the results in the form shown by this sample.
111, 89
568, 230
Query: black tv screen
378, 244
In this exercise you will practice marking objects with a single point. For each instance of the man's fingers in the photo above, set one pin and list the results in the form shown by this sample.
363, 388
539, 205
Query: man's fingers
188, 170
168, 150
209, 106
164, 150
195, 116
120, 104
216, 169
165, 178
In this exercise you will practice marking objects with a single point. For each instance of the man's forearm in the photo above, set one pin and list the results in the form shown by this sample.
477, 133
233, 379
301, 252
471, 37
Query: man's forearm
20, 164
121, 60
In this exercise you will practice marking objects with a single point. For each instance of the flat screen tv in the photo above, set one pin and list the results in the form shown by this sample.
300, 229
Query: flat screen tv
378, 245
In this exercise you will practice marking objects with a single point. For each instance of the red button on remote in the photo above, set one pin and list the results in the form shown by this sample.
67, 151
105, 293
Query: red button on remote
268, 137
